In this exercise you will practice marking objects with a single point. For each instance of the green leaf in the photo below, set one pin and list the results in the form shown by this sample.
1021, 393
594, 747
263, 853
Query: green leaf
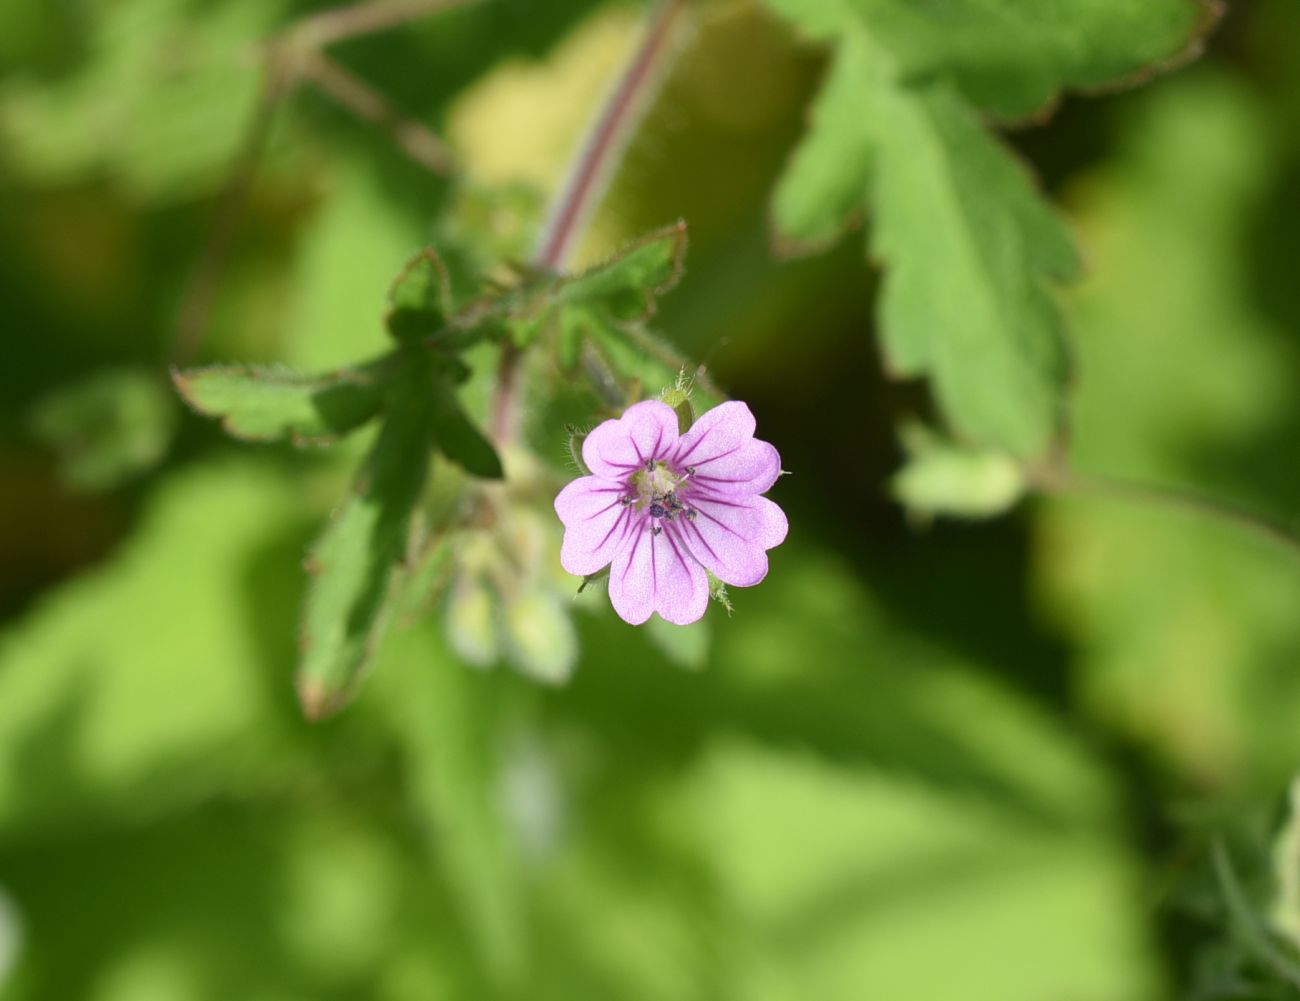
127, 688
456, 435
276, 404
107, 428
620, 293
1009, 57
356, 560
969, 248
419, 302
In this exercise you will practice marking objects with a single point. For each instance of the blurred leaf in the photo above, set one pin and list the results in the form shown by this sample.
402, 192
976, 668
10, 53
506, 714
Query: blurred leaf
1186, 629
889, 874
1011, 58
969, 247
944, 478
449, 722
107, 428
419, 302
355, 561
161, 101
141, 685
1286, 863
257, 403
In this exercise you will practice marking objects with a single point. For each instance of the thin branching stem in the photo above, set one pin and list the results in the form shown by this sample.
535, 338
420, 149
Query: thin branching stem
294, 55
412, 137
587, 180
1063, 480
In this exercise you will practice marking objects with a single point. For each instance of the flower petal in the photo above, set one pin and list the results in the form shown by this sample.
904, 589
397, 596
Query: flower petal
657, 573
596, 524
617, 448
750, 469
731, 536
718, 432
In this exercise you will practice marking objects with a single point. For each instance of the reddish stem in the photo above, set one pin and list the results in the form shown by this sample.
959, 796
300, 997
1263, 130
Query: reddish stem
587, 180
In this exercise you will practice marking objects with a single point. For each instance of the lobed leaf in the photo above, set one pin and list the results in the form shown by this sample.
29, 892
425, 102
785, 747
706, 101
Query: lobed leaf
419, 301
362, 549
1012, 58
275, 404
457, 437
621, 292
970, 248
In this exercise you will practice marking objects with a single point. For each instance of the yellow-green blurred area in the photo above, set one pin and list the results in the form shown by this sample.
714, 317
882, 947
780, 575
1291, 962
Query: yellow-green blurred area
955, 762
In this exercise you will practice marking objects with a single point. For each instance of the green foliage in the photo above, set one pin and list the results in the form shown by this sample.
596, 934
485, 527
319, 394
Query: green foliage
1184, 626
1008, 58
257, 403
108, 428
161, 109
419, 302
363, 548
969, 247
601, 304
139, 728
942, 478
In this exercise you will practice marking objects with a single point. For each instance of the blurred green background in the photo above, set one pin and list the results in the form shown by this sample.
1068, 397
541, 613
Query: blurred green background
958, 761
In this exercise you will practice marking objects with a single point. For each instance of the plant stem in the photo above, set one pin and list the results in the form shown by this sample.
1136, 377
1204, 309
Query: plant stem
288, 58
353, 93
587, 180
1068, 481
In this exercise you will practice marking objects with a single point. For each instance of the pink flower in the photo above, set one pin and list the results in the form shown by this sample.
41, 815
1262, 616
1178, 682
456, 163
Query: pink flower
661, 508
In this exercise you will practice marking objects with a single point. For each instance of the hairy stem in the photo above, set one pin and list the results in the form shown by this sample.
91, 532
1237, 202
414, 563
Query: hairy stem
586, 182
1066, 481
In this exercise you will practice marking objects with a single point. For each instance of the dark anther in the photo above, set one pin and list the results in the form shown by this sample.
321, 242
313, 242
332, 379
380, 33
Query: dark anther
691, 514
625, 501
657, 511
649, 465
656, 530
690, 470
673, 502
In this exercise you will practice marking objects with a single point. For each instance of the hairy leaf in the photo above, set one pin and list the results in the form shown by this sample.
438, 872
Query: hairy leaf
968, 245
277, 404
970, 248
357, 558
617, 294
1008, 57
419, 302
456, 435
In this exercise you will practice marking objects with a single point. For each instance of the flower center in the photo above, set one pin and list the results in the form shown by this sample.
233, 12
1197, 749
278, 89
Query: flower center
657, 490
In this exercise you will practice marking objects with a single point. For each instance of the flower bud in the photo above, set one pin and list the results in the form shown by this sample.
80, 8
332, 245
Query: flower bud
540, 637
471, 631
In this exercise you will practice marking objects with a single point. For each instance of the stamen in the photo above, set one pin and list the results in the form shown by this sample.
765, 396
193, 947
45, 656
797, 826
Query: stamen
691, 514
657, 510
656, 529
